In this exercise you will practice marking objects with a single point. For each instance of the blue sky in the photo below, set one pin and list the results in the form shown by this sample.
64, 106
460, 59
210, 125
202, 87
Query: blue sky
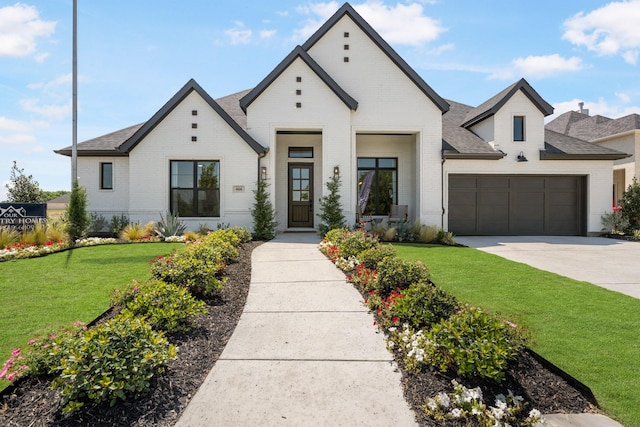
134, 55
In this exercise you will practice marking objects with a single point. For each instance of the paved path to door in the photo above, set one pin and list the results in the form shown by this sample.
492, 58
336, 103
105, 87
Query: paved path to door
305, 351
612, 264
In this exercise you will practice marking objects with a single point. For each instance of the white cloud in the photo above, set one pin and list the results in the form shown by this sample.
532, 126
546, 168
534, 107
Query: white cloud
238, 34
402, 24
13, 125
267, 34
54, 112
16, 139
539, 67
20, 27
62, 80
610, 30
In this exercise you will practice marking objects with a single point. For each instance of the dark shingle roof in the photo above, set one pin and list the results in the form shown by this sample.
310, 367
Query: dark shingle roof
591, 128
105, 145
491, 106
298, 52
558, 146
458, 142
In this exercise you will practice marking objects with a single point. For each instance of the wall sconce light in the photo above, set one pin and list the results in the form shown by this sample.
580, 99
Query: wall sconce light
336, 170
521, 157
263, 173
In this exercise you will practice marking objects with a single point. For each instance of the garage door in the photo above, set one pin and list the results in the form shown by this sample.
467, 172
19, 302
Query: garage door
522, 205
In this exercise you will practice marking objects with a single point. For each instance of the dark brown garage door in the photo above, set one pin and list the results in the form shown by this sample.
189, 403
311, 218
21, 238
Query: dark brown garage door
522, 205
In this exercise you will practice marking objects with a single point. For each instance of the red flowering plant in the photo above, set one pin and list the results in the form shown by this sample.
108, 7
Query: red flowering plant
383, 307
363, 277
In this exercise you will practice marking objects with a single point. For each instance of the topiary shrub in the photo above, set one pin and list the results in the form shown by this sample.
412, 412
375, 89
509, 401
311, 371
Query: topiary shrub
394, 273
331, 215
115, 360
373, 256
165, 306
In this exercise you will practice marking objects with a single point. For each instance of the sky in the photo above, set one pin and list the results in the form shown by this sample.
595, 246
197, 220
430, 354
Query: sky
133, 56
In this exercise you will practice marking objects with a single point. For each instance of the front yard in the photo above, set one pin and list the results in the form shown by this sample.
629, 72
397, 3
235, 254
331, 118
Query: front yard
588, 331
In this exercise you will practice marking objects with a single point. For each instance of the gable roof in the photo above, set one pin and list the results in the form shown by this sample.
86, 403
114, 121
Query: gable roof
105, 145
558, 146
493, 105
348, 10
459, 142
298, 52
189, 87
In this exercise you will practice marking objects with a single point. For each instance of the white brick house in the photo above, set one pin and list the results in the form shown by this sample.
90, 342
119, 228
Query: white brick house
345, 102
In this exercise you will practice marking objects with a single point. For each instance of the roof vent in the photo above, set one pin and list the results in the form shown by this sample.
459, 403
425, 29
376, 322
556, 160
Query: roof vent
582, 110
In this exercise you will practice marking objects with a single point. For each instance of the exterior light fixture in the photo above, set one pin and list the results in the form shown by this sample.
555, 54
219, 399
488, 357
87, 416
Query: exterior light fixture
263, 173
521, 157
336, 170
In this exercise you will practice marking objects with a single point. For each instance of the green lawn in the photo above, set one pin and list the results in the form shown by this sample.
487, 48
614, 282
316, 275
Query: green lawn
590, 332
43, 294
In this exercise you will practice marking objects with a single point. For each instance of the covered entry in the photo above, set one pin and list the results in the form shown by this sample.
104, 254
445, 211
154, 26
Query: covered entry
524, 205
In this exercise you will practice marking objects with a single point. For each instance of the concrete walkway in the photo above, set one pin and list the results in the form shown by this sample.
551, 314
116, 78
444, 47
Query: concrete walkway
609, 263
305, 351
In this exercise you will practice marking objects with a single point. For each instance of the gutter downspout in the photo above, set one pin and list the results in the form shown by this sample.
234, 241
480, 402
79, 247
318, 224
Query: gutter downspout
442, 190
260, 157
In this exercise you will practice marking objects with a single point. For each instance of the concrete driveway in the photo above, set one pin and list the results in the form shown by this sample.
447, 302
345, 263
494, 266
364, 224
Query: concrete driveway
612, 264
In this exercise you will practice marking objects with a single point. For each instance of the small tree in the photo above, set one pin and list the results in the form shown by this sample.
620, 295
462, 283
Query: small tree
630, 205
331, 215
23, 188
264, 223
77, 218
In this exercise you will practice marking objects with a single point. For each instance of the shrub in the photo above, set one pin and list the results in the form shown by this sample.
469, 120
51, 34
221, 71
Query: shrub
263, 213
445, 238
394, 273
636, 234
331, 215
197, 268
373, 256
191, 236
336, 235
356, 242
472, 343
427, 234
390, 234
165, 306
422, 305
243, 233
218, 243
226, 235
630, 204
615, 222
118, 223
56, 231
170, 226
97, 223
363, 278
115, 360
8, 237
76, 213
137, 231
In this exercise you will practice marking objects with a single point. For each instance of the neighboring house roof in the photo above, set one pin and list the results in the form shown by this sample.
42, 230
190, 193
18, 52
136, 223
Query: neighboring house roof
105, 145
558, 146
347, 9
591, 128
298, 52
493, 105
459, 142
189, 87
61, 199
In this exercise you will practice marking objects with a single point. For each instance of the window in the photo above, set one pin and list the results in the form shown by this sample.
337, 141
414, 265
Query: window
106, 176
195, 188
301, 152
384, 185
518, 128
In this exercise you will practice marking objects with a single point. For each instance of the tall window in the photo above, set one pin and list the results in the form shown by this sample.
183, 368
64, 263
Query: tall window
518, 128
195, 188
384, 185
106, 176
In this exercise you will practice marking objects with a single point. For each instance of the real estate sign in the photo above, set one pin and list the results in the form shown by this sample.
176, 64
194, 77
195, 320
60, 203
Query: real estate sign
22, 216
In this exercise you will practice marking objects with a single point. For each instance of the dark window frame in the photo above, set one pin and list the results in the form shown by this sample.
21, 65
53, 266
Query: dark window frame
195, 210
103, 175
376, 198
300, 152
519, 128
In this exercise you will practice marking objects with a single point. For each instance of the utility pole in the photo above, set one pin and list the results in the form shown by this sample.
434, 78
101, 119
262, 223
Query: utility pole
74, 90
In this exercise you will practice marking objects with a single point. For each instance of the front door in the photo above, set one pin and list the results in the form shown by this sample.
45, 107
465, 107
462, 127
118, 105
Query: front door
300, 195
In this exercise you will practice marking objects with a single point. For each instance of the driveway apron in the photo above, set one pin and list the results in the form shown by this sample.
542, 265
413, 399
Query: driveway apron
609, 263
305, 351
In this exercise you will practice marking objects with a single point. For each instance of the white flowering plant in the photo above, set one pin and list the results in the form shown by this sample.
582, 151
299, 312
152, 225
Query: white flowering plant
467, 403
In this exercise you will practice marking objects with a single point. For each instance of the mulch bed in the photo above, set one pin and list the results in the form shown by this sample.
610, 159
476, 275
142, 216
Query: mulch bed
31, 403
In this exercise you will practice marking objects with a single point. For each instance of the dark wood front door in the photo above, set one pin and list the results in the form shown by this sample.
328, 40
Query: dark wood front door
300, 195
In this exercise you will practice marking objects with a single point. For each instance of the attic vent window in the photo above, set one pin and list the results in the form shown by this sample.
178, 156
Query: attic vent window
346, 47
346, 59
194, 138
194, 112
298, 79
194, 126
298, 91
298, 104
346, 34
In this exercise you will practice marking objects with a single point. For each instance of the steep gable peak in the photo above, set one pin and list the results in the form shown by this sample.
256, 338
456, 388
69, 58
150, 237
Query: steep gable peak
494, 104
348, 10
